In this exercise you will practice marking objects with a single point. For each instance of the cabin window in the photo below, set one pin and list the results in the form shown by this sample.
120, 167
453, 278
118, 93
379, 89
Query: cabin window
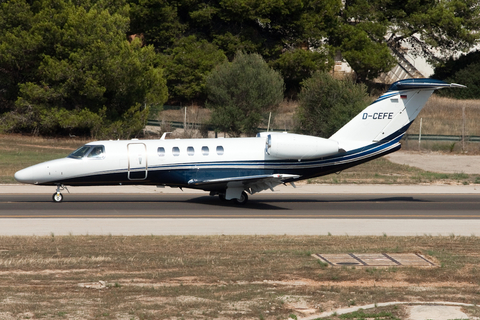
190, 151
205, 151
97, 152
161, 152
219, 150
176, 151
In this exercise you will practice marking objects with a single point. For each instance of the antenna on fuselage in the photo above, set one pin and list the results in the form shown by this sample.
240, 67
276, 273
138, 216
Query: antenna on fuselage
164, 135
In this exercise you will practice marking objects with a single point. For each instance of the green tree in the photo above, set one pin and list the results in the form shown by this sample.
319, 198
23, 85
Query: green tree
239, 92
81, 75
274, 29
327, 104
367, 57
464, 70
19, 50
299, 64
187, 66
369, 26
157, 21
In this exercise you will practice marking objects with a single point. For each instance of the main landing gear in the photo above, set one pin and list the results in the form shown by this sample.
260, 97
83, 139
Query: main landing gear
242, 200
58, 196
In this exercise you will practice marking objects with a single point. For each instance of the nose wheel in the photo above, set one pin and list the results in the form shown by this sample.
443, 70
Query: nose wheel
57, 197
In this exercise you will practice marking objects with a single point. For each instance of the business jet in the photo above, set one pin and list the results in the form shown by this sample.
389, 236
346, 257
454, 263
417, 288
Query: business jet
235, 167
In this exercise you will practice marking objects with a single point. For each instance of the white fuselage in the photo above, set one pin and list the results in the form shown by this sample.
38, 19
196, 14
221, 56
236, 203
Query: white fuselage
177, 161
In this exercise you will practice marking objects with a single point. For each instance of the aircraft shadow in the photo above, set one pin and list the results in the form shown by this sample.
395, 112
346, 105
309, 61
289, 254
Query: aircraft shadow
255, 203
387, 199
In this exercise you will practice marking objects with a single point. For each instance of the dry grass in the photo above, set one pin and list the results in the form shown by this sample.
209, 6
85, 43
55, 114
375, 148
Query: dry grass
18, 152
382, 171
443, 116
222, 277
194, 114
284, 117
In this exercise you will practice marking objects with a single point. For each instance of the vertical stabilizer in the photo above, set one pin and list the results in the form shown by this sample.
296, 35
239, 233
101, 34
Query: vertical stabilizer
390, 115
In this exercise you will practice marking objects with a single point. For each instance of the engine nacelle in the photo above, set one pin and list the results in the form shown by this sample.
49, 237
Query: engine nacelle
297, 146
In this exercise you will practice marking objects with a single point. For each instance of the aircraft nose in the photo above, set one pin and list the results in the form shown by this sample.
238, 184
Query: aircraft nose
25, 176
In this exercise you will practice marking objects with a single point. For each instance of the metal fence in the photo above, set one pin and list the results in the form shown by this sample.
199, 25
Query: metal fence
423, 137
180, 125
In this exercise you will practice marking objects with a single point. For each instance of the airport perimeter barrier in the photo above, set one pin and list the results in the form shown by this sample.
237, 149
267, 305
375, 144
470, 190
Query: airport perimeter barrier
180, 125
441, 138
424, 137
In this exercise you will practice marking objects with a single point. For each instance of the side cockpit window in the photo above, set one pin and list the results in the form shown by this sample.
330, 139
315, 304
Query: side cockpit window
97, 152
91, 152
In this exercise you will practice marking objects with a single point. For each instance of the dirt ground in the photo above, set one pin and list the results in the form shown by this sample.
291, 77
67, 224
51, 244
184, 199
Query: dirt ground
438, 162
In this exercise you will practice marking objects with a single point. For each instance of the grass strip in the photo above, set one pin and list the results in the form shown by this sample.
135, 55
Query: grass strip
227, 277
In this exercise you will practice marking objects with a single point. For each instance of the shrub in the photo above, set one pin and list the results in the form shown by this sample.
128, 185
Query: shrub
326, 104
240, 91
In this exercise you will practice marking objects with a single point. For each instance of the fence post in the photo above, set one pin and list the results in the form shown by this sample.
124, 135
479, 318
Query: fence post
463, 128
269, 117
185, 121
420, 134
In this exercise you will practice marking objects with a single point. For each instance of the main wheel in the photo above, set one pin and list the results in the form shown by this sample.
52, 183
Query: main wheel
57, 197
243, 198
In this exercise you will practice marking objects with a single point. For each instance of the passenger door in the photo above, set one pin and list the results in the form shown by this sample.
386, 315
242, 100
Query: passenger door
137, 161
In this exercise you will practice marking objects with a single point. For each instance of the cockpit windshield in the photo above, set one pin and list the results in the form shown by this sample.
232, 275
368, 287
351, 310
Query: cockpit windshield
93, 152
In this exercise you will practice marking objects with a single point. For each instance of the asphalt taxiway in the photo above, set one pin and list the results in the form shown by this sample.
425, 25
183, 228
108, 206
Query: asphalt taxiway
267, 206
306, 210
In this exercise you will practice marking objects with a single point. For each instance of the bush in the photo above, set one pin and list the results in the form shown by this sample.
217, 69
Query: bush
240, 91
327, 104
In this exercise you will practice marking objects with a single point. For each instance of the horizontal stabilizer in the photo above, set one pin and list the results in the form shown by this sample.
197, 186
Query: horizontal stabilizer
413, 84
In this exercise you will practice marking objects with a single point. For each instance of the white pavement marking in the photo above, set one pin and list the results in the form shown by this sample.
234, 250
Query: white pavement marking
300, 189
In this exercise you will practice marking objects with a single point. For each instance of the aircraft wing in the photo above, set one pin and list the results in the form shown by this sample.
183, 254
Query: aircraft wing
252, 184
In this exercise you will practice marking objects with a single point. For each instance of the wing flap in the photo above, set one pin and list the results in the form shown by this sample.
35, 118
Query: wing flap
252, 184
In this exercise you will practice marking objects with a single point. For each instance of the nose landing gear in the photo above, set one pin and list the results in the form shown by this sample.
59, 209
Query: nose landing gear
58, 196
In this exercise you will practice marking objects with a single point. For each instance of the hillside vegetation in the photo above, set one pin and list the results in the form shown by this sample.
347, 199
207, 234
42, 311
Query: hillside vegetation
97, 67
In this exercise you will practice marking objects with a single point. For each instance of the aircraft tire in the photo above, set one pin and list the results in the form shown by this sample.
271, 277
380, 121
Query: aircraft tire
243, 199
57, 197
221, 196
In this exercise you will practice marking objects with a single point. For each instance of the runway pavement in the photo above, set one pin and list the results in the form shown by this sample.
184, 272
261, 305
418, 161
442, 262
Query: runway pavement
306, 210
